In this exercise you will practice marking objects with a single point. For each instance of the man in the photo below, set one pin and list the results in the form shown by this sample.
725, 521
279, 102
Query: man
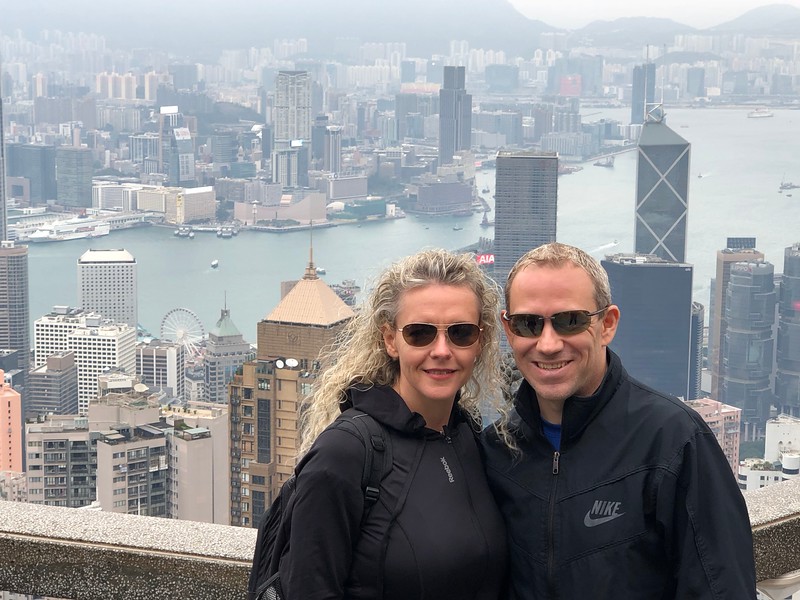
609, 489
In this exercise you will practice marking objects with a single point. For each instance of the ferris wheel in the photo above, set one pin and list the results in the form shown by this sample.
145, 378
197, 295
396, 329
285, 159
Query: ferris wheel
182, 326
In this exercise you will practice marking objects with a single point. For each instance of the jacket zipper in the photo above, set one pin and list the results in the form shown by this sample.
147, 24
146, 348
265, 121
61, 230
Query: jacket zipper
551, 529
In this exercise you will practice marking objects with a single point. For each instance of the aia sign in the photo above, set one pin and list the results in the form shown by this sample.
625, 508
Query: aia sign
485, 259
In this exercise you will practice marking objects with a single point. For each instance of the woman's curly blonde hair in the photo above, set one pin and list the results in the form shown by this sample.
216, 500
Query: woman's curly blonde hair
358, 355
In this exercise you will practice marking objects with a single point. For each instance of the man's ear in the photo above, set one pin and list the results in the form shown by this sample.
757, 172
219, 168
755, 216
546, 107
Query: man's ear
609, 322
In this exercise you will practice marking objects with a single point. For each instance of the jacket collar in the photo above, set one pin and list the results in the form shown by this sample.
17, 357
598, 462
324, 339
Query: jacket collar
578, 411
387, 407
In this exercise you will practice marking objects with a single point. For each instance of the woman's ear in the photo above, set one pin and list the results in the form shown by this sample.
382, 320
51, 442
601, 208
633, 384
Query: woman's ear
389, 339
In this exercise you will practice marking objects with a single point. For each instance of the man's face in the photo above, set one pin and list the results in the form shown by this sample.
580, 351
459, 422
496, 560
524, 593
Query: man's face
558, 366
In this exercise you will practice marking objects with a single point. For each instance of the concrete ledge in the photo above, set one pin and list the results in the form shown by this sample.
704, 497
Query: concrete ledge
91, 555
68, 553
775, 519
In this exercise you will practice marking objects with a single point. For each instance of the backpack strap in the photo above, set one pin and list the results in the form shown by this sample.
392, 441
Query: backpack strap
375, 460
377, 455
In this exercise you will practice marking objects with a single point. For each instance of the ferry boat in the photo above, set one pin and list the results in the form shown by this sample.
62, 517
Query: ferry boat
607, 162
70, 229
214, 263
760, 113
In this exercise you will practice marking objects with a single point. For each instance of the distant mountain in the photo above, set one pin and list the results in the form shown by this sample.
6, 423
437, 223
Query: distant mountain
193, 30
184, 26
774, 19
630, 32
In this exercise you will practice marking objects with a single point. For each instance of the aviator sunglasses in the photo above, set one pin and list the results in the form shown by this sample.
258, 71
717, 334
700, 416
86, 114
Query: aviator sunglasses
569, 322
420, 335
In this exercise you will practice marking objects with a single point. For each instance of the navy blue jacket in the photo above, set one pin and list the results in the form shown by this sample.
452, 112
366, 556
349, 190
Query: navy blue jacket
640, 502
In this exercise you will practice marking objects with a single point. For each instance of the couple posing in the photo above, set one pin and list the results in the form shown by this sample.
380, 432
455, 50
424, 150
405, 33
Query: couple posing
590, 485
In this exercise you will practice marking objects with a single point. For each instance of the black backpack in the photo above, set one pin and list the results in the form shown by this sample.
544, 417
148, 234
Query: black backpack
273, 530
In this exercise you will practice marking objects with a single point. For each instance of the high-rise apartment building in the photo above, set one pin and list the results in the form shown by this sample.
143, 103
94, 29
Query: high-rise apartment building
725, 422
11, 423
74, 170
526, 202
455, 115
662, 192
787, 379
747, 348
107, 285
160, 364
62, 462
643, 91
154, 464
266, 399
14, 301
226, 351
292, 112
53, 387
736, 250
653, 337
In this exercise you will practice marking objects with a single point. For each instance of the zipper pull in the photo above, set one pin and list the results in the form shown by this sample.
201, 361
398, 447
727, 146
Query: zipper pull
556, 456
446, 435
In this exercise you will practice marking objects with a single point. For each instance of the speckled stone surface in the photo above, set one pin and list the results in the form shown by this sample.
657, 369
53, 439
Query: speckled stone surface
93, 555
775, 518
69, 553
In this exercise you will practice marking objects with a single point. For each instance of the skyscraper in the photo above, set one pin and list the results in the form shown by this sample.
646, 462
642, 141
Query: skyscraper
74, 169
31, 170
653, 338
747, 348
662, 192
226, 351
526, 201
333, 149
3, 203
14, 301
292, 116
696, 357
455, 115
107, 285
266, 399
787, 380
736, 250
643, 91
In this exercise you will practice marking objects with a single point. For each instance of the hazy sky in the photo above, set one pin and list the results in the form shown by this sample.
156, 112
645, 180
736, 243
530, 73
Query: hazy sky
695, 13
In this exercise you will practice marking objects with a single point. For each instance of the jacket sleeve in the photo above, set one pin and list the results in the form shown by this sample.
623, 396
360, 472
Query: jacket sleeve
706, 525
325, 520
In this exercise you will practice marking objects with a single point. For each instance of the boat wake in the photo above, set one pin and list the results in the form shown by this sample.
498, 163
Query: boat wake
604, 247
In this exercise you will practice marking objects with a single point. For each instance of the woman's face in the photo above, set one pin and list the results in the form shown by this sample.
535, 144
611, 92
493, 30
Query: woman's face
430, 375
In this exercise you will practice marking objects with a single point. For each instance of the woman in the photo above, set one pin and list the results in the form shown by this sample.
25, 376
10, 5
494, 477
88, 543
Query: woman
416, 359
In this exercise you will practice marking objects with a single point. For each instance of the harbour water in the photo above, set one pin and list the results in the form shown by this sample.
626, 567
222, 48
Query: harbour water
743, 162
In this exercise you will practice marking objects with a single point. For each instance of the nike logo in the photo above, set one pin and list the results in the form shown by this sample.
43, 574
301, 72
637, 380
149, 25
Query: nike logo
601, 512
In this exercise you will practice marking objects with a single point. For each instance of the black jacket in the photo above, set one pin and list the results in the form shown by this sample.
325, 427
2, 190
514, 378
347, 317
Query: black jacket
447, 542
640, 502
